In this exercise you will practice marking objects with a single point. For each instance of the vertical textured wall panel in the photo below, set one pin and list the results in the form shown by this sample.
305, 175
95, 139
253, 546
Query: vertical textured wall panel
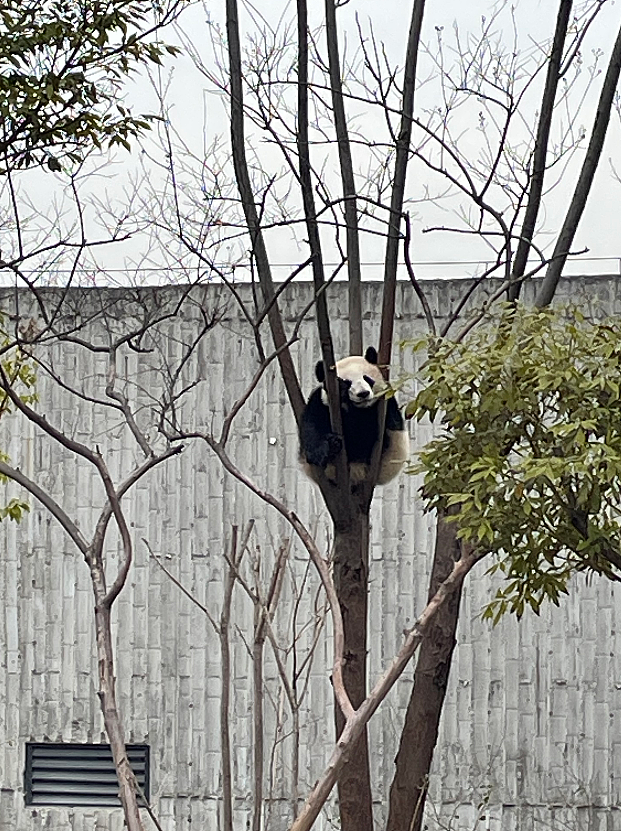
531, 726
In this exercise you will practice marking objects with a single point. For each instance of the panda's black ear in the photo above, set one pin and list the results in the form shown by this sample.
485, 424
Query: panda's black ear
320, 372
371, 355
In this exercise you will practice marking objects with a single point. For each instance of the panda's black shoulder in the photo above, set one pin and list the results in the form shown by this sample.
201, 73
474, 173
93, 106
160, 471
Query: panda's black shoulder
315, 418
394, 417
315, 404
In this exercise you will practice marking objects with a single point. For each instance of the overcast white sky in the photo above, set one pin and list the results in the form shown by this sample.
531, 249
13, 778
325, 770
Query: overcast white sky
198, 114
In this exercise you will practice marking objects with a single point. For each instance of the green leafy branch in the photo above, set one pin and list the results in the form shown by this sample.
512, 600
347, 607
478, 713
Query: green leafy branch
528, 457
62, 66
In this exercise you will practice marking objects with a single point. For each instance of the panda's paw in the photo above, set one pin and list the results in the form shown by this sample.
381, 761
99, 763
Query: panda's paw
325, 451
335, 443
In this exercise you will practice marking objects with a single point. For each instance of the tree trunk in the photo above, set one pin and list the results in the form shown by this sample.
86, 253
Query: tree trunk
420, 733
542, 141
585, 179
112, 720
351, 572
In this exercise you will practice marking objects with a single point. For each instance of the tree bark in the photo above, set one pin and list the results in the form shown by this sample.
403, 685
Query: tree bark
541, 149
402, 158
225, 692
246, 192
351, 568
585, 179
346, 168
358, 720
420, 732
112, 719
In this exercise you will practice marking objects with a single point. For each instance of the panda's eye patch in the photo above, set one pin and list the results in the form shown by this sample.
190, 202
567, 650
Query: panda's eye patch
369, 381
346, 383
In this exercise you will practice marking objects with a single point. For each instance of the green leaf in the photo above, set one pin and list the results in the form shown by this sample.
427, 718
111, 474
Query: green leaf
527, 454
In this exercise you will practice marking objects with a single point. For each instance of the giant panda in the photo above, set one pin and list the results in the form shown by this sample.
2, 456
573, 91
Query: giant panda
361, 388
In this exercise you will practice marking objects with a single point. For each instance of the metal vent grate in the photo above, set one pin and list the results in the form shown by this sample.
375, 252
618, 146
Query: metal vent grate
79, 774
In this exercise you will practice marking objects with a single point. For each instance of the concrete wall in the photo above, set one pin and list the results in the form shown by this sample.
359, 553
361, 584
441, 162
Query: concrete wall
531, 733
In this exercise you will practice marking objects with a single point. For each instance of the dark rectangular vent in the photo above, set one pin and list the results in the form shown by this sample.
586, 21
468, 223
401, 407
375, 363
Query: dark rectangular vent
79, 774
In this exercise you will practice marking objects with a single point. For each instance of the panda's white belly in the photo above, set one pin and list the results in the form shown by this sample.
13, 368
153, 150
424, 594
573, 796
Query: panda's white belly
393, 459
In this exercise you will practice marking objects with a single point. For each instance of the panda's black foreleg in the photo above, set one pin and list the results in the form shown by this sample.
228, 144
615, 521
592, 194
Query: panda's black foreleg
394, 418
322, 450
319, 444
393, 421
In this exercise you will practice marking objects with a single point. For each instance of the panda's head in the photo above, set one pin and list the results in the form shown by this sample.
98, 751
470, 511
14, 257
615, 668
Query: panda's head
360, 380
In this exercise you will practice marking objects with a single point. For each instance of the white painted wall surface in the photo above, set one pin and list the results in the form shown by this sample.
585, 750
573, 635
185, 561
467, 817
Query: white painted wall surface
532, 723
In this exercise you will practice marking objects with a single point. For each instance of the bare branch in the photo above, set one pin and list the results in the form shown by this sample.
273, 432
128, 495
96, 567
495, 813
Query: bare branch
347, 178
358, 720
250, 210
410, 269
398, 187
320, 564
541, 148
310, 214
585, 179
46, 500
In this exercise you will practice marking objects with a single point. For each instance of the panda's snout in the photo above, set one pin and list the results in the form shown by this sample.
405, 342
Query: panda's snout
362, 398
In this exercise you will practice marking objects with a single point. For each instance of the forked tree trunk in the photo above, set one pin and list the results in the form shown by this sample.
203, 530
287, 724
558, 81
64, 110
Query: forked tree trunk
351, 568
420, 733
